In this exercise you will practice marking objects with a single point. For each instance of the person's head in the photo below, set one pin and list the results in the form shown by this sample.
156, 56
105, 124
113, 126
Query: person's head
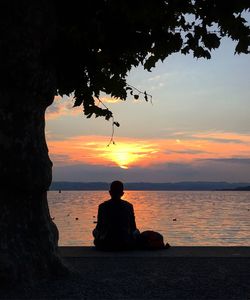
116, 189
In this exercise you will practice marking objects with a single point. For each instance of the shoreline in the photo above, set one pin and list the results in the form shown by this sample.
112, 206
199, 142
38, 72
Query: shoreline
174, 251
151, 186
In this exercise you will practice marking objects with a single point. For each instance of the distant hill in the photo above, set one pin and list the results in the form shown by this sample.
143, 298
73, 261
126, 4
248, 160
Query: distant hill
79, 186
150, 186
242, 188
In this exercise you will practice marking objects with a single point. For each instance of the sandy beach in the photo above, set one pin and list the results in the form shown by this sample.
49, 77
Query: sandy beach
176, 273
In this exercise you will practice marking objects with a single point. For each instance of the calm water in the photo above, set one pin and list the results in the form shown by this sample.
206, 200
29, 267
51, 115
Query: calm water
184, 218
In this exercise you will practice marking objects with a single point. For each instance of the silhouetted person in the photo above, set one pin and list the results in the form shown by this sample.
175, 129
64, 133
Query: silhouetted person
116, 227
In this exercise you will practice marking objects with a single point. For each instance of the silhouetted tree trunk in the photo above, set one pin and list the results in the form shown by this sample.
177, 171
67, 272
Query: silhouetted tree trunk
28, 237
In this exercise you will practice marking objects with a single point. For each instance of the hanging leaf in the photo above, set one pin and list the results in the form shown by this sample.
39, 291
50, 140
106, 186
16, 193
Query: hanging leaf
136, 97
116, 124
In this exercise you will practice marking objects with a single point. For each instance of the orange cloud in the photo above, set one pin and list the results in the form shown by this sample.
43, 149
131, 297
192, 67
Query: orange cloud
94, 150
109, 100
130, 152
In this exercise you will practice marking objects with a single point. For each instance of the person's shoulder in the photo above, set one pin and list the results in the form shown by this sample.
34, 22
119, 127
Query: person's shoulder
105, 203
126, 203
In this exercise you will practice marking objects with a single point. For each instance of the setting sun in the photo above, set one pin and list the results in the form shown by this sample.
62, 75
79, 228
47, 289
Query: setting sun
125, 154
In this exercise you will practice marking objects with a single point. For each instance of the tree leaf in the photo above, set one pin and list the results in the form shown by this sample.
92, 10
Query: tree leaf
211, 41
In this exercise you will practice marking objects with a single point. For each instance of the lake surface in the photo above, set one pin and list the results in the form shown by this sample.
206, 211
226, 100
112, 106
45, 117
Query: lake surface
183, 218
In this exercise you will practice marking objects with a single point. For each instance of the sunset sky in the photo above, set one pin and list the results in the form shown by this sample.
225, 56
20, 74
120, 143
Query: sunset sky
197, 128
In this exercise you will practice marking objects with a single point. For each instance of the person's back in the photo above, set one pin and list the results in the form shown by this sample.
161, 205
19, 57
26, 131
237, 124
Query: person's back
116, 227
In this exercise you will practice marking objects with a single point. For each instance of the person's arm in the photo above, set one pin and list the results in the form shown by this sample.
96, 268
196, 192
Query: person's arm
100, 218
132, 221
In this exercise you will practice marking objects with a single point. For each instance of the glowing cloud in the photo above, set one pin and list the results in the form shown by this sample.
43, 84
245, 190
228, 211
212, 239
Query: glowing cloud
109, 100
94, 150
128, 152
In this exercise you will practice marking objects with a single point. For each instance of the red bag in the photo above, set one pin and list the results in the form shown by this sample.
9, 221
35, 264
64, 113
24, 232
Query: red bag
151, 240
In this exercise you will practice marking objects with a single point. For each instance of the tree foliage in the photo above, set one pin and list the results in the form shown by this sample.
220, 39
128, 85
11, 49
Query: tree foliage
99, 41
